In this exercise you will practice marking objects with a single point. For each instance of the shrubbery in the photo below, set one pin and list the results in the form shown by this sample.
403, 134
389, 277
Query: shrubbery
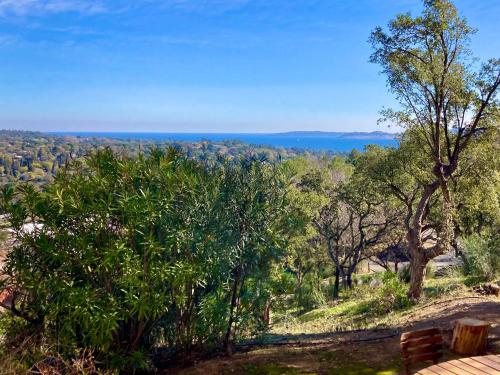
404, 274
130, 254
312, 295
481, 257
391, 296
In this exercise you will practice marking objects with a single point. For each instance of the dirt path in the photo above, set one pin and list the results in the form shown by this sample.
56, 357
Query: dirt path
355, 352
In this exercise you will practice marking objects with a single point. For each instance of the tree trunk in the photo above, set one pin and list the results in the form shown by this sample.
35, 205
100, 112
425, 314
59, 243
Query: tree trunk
266, 318
298, 289
344, 281
337, 284
470, 336
234, 300
418, 263
418, 259
349, 280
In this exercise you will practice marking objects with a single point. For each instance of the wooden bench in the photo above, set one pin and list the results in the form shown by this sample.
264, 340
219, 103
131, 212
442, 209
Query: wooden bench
422, 345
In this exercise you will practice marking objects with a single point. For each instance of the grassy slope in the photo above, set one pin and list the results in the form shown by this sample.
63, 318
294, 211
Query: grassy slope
374, 358
353, 311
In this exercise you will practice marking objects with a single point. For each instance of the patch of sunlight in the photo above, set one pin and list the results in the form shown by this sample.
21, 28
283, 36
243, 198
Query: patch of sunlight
354, 310
360, 369
344, 308
437, 287
273, 369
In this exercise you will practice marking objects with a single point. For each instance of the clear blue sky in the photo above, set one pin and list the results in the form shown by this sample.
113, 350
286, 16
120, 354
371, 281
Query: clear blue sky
201, 65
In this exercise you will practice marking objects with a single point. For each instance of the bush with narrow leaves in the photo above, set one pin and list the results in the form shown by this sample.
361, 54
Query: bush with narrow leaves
126, 255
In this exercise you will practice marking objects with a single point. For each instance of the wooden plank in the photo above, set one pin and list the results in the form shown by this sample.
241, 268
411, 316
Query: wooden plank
454, 369
427, 371
487, 362
494, 358
485, 365
433, 348
467, 367
479, 366
423, 341
441, 370
420, 333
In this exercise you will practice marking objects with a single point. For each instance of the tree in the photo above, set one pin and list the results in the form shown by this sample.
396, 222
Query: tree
477, 190
445, 102
253, 207
394, 253
355, 221
306, 257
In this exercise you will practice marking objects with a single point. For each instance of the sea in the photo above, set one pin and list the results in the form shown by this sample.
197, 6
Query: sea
316, 141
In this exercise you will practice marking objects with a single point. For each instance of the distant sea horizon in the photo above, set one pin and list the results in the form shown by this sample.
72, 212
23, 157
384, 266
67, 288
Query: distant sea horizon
305, 140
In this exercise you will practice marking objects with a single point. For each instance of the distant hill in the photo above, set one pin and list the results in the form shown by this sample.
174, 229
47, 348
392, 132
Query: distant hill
341, 135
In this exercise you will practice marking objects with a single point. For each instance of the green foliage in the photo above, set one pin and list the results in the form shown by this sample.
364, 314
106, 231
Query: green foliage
128, 253
133, 248
404, 274
481, 257
358, 220
478, 192
448, 285
362, 369
305, 257
447, 105
391, 296
36, 157
429, 271
311, 295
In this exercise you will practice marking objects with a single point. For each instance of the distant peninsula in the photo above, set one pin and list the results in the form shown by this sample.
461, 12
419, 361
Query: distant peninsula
341, 135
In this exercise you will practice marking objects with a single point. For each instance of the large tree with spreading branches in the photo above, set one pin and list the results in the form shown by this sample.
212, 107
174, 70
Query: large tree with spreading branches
447, 102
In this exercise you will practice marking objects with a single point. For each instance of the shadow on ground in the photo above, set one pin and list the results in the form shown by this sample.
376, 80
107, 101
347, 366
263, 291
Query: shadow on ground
364, 352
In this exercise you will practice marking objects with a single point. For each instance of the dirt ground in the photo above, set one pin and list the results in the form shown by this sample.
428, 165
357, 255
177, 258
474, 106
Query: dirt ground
356, 352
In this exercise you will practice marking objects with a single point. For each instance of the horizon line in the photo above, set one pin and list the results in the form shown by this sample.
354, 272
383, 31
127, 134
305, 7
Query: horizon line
204, 132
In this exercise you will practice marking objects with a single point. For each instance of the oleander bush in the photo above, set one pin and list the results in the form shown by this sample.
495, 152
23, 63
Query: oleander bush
130, 254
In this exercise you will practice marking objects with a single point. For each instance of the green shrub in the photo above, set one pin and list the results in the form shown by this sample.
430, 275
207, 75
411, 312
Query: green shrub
404, 274
391, 295
365, 279
133, 253
311, 295
429, 271
481, 257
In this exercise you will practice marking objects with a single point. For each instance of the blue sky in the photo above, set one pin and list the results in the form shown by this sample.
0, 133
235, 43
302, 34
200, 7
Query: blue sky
201, 65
